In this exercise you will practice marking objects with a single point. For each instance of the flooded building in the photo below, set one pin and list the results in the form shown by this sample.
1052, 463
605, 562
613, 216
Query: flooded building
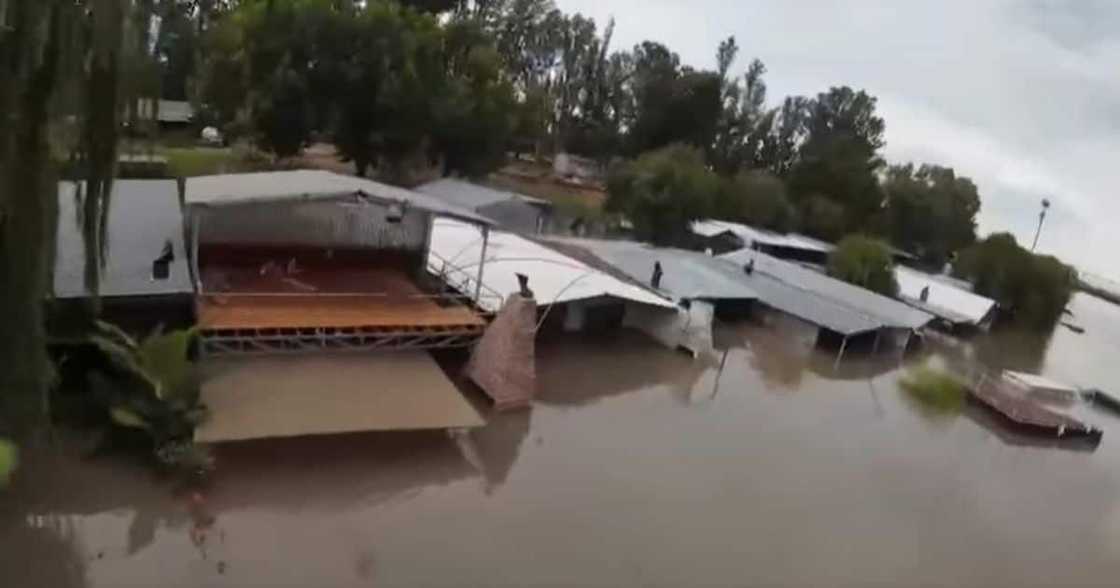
323, 268
509, 210
144, 278
953, 305
571, 295
813, 308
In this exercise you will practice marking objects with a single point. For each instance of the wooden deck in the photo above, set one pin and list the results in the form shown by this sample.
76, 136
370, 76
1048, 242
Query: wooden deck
272, 296
247, 311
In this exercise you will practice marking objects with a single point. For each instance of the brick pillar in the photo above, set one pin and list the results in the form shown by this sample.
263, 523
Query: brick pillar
503, 362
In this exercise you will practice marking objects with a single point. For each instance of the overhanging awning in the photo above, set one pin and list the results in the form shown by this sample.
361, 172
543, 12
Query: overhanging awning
289, 396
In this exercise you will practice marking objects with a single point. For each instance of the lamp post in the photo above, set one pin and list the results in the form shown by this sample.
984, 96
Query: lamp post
1041, 218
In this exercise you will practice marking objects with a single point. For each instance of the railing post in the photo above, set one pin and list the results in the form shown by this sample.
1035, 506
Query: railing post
481, 266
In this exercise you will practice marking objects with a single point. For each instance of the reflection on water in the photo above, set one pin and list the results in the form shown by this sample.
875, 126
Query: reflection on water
637, 465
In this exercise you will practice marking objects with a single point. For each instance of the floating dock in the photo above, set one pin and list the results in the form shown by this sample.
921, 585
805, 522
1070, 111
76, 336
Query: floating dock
1028, 414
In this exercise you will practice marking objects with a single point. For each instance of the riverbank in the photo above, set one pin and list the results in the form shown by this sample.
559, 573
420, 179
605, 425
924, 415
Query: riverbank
636, 466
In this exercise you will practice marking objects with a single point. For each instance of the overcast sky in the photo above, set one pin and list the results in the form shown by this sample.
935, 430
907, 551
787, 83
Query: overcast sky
1021, 96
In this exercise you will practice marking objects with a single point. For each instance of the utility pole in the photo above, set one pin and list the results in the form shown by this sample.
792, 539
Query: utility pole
1041, 218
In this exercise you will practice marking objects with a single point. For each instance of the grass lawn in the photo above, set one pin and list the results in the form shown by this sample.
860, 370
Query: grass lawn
201, 161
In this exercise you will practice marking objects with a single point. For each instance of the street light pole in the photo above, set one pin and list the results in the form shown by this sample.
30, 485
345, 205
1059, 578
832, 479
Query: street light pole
1041, 218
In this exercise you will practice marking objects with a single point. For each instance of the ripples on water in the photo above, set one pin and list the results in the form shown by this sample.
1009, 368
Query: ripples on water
636, 466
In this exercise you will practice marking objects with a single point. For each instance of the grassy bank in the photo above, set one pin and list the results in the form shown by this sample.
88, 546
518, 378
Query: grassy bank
201, 161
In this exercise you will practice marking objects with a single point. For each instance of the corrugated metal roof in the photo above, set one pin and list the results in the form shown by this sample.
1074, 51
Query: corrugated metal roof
471, 195
686, 274
695, 275
228, 189
751, 236
945, 300
144, 215
887, 311
553, 276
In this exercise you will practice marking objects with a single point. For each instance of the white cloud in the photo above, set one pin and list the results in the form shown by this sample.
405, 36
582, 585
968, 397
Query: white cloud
1021, 96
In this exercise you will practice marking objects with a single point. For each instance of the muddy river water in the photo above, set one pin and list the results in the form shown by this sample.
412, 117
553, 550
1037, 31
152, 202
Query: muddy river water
636, 466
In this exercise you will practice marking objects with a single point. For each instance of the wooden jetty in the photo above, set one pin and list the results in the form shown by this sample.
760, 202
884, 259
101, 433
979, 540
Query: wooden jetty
1028, 414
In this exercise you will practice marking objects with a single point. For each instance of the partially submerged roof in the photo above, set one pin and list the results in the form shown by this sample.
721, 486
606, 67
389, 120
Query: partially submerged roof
887, 311
296, 185
456, 249
294, 395
686, 274
944, 300
473, 196
752, 236
144, 216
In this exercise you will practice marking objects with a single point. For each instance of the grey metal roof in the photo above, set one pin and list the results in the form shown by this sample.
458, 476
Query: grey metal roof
887, 311
143, 216
473, 196
687, 274
230, 189
694, 275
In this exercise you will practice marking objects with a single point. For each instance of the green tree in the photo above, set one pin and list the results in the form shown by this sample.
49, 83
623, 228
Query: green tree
865, 262
663, 192
839, 157
672, 104
62, 63
176, 47
757, 198
475, 113
1034, 289
930, 211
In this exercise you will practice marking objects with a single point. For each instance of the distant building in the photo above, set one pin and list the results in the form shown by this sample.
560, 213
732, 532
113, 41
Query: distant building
725, 236
581, 170
728, 236
171, 113
509, 210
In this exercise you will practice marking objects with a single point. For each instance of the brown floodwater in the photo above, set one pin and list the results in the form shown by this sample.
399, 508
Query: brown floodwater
636, 466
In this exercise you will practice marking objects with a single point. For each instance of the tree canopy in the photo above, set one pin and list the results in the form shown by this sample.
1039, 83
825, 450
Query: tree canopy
929, 211
865, 262
662, 192
1035, 289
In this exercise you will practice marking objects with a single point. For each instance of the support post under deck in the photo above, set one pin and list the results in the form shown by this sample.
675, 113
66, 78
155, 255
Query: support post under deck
839, 356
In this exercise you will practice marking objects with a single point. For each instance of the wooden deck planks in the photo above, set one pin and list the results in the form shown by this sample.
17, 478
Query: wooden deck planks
338, 311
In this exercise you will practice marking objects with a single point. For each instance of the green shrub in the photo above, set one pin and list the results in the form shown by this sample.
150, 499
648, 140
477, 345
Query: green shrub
9, 459
142, 391
662, 192
865, 262
934, 391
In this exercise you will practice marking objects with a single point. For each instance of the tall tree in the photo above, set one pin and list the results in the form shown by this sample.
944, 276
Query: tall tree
839, 158
61, 63
930, 211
